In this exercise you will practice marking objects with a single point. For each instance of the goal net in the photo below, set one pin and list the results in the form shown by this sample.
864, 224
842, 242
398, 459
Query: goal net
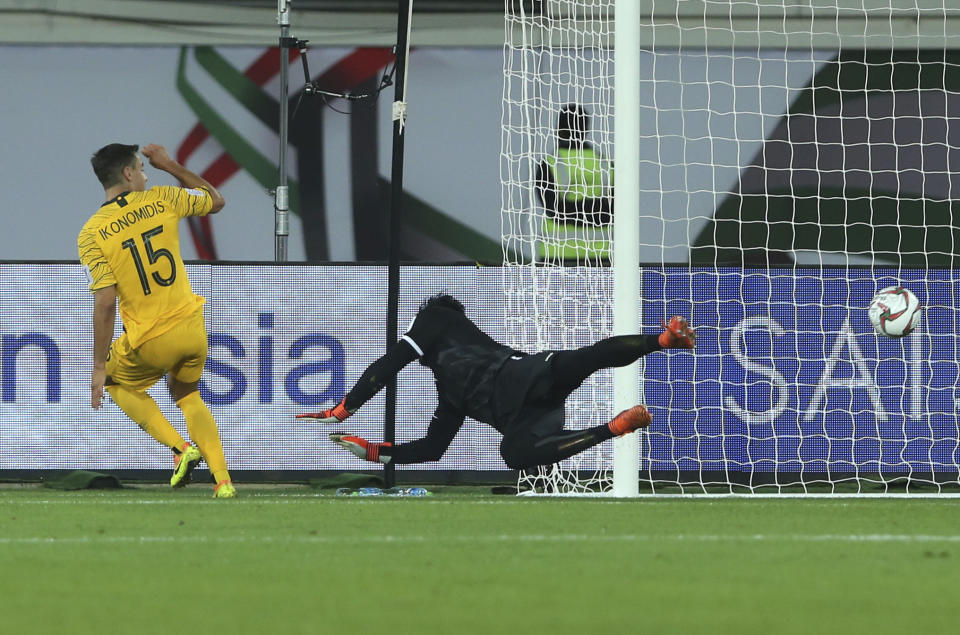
794, 158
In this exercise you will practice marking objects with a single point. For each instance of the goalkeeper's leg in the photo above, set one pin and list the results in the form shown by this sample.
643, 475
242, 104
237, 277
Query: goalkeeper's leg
571, 368
544, 441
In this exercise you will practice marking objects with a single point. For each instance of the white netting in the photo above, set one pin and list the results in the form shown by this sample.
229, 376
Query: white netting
795, 157
559, 293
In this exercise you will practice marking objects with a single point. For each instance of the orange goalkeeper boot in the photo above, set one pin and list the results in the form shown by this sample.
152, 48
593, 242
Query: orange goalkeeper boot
630, 420
677, 334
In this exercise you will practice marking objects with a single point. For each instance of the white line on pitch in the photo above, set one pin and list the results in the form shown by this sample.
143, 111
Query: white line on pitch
866, 538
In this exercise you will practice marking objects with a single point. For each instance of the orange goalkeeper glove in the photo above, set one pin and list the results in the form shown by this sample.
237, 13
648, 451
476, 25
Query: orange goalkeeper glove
334, 415
360, 447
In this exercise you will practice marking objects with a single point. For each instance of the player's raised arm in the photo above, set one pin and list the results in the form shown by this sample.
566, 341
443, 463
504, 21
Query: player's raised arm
160, 159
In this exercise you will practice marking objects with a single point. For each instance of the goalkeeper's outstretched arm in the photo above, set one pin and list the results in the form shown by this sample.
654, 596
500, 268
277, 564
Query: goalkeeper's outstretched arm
372, 381
443, 428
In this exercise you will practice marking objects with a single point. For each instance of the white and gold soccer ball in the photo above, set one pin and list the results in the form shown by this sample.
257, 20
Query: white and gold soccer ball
895, 311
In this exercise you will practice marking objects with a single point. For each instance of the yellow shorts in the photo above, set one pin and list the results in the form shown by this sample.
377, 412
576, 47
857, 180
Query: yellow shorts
181, 351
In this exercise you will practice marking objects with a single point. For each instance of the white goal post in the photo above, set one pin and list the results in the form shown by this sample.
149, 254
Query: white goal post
771, 165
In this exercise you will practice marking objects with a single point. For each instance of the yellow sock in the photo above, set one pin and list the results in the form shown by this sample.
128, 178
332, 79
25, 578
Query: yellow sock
143, 410
203, 431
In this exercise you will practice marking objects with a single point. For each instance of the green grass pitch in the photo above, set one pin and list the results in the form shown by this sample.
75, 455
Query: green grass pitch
293, 560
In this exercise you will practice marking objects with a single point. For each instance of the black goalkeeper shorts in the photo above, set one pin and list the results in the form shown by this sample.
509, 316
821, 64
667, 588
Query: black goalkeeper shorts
523, 396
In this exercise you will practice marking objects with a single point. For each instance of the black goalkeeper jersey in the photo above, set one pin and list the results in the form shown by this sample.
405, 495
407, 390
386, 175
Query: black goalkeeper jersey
466, 363
464, 360
472, 381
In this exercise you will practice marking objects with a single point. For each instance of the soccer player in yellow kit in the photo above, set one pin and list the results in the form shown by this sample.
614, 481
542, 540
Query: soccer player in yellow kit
131, 250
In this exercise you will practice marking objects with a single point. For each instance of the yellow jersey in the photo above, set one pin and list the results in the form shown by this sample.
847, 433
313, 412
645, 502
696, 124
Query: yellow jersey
133, 242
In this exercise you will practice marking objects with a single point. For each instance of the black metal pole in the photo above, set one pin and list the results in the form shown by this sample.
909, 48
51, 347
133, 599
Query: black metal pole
396, 222
282, 196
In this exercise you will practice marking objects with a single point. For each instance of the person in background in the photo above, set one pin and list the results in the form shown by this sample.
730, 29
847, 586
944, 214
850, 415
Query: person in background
575, 187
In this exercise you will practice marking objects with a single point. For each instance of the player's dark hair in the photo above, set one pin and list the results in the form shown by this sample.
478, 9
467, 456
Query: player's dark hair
445, 300
108, 162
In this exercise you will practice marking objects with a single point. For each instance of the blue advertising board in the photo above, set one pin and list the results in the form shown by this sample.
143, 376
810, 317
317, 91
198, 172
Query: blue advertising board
789, 375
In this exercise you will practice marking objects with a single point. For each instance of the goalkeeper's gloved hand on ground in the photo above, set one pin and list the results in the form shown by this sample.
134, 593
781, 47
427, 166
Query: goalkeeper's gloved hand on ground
361, 447
334, 415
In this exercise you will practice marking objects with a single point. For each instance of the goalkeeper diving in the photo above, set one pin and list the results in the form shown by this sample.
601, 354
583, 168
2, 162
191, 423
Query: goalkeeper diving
520, 395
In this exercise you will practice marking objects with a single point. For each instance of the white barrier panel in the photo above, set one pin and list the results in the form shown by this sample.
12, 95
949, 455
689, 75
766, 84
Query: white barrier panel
284, 339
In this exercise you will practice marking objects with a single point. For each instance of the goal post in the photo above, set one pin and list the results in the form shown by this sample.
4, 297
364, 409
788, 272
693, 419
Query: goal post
626, 229
781, 162
558, 103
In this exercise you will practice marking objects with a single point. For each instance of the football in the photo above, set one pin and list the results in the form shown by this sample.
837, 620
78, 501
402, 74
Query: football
895, 312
